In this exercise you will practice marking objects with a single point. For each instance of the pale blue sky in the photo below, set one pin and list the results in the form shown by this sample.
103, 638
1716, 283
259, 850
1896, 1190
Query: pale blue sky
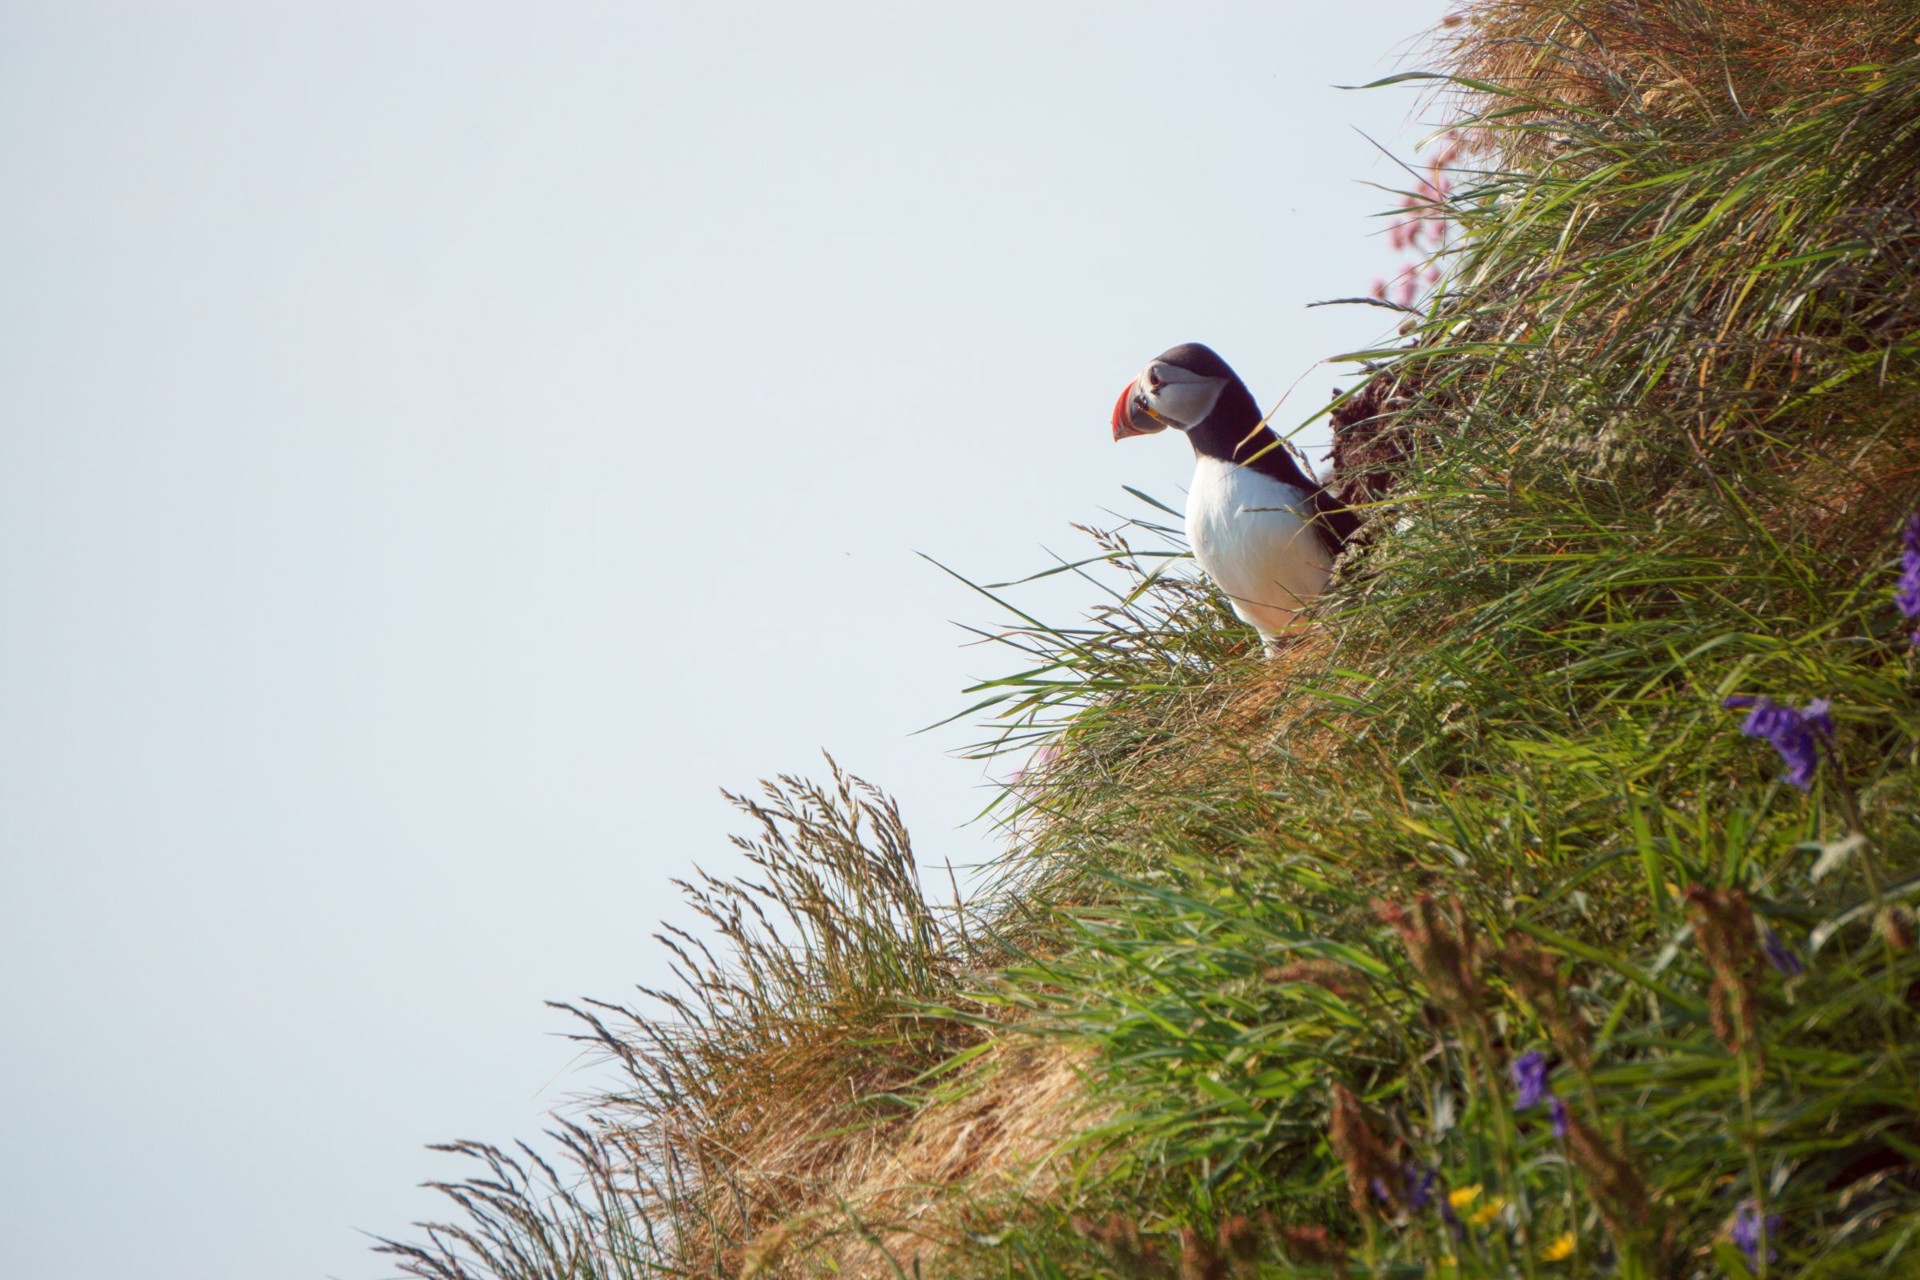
443, 444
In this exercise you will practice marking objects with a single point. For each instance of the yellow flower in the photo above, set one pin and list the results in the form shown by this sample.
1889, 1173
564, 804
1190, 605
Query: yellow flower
1558, 1249
1487, 1212
1464, 1196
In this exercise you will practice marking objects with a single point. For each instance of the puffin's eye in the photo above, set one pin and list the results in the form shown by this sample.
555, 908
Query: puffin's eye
1154, 380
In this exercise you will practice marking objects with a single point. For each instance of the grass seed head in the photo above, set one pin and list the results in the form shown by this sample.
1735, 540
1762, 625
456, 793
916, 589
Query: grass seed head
1119, 1236
1240, 1240
1198, 1261
1329, 975
1536, 978
1443, 953
1723, 929
1611, 1180
1372, 1176
1315, 1246
765, 1253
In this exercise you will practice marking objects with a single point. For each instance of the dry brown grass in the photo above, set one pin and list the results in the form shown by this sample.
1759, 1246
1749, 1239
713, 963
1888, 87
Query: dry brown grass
1252, 725
888, 1200
1721, 62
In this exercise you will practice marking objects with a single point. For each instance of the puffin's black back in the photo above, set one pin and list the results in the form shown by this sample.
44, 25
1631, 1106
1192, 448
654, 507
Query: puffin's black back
1234, 432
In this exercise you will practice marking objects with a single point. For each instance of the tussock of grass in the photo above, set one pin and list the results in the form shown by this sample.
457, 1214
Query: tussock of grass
1275, 942
793, 1051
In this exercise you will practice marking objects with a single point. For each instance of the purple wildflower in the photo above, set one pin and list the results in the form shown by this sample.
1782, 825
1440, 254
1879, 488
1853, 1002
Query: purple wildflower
1794, 734
1530, 1089
1907, 594
1419, 1186
1747, 1232
1779, 954
1529, 1072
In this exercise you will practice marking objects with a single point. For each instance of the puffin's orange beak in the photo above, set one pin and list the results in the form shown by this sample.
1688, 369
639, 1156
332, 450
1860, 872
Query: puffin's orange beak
1123, 417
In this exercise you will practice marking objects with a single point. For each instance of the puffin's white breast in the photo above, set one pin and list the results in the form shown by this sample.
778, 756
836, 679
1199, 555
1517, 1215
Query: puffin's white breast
1250, 533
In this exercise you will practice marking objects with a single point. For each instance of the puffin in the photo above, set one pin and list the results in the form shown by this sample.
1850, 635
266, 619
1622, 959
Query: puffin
1263, 529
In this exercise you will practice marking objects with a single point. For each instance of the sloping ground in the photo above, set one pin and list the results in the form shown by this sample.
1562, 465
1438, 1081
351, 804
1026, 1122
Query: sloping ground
899, 1203
1472, 936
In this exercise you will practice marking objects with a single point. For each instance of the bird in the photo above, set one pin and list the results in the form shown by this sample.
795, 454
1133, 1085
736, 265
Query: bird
1263, 529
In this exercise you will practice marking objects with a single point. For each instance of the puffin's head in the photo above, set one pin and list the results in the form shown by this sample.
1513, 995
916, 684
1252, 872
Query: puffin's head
1178, 389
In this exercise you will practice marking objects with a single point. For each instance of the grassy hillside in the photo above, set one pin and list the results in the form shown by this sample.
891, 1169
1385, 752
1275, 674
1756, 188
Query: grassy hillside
1545, 911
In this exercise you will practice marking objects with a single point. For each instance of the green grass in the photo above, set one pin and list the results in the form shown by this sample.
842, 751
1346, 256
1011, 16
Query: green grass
1653, 438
